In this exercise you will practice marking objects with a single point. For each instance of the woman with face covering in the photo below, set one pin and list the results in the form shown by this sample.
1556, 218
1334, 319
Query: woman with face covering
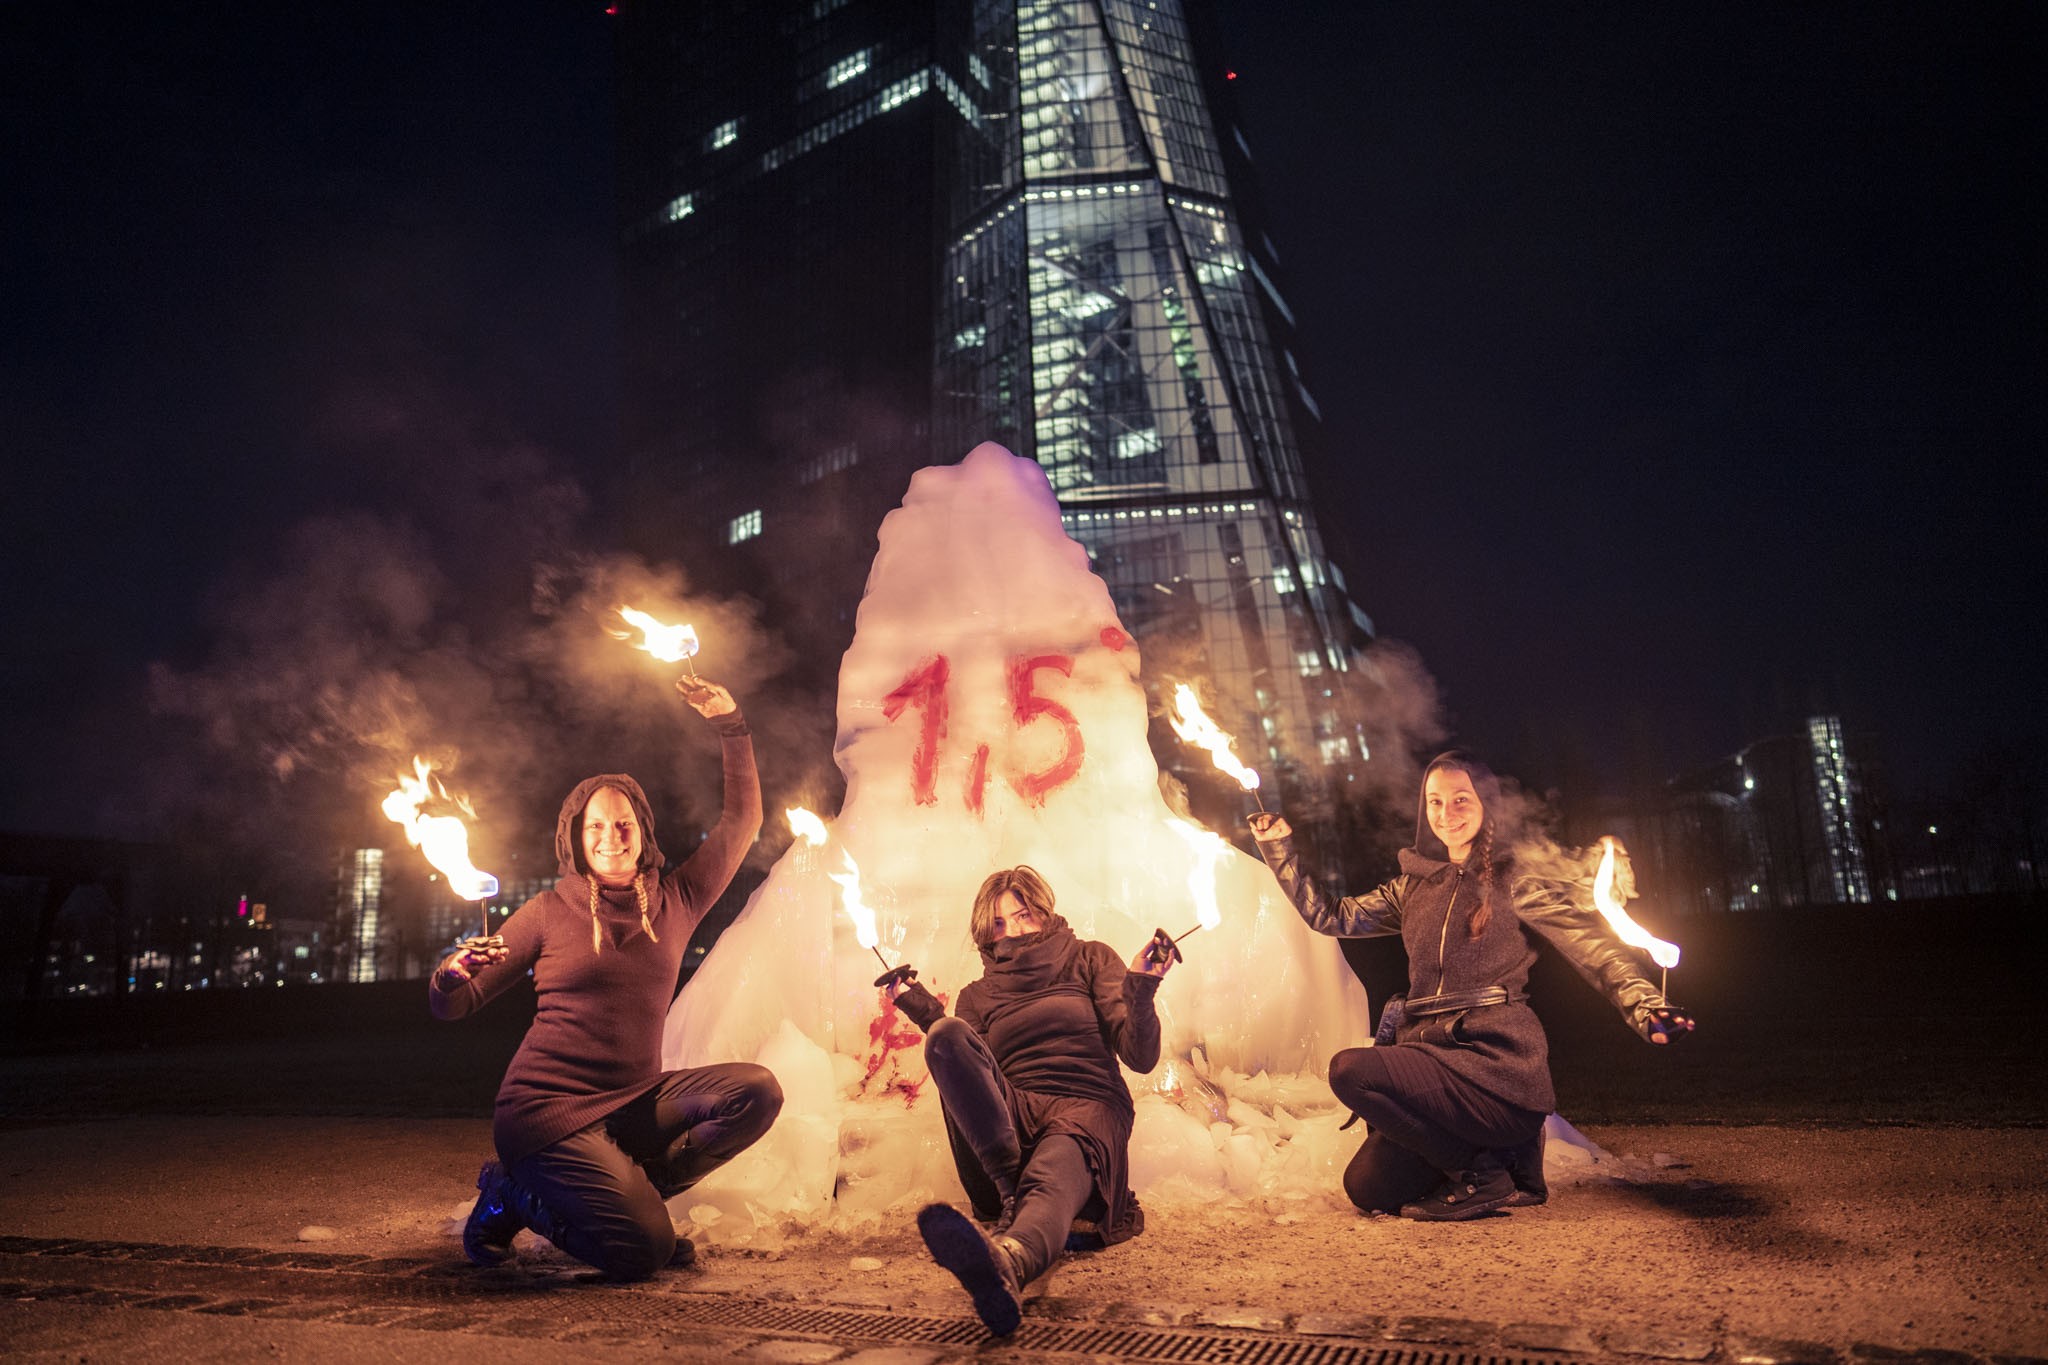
592, 1135
1454, 1100
1037, 1110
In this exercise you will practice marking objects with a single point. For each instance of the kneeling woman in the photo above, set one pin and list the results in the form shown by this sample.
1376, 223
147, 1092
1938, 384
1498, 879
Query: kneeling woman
1455, 1105
1038, 1113
592, 1135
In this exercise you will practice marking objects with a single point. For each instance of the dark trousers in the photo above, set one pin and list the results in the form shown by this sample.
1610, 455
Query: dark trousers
1051, 1183
1424, 1123
603, 1187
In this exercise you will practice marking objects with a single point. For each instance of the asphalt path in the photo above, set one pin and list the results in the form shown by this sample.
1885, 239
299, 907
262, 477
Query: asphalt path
331, 1238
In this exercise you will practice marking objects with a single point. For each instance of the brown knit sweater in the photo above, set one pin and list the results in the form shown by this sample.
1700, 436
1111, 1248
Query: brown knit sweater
595, 1042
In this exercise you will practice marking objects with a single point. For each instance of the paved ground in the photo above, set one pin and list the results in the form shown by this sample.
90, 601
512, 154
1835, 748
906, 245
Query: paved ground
181, 1237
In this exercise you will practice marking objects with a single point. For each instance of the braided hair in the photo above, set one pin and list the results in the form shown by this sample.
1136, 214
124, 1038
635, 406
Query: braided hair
1483, 916
597, 925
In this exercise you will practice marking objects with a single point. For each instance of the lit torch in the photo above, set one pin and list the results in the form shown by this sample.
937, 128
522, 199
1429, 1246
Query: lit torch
863, 918
1209, 853
1193, 725
670, 644
1664, 954
442, 837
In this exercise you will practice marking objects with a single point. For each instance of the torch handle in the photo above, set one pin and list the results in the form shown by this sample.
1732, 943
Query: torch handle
896, 976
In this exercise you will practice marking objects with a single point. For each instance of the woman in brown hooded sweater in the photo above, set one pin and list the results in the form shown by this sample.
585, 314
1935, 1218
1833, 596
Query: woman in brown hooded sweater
1454, 1100
592, 1135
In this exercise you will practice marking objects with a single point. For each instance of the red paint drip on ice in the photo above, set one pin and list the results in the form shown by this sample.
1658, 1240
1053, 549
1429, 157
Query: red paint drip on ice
891, 1034
1115, 639
977, 778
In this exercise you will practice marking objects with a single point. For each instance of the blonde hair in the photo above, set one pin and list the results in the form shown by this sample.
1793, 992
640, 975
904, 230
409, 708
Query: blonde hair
1029, 888
597, 925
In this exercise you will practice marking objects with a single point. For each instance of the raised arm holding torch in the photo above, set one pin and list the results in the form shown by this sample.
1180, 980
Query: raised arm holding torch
1193, 725
670, 644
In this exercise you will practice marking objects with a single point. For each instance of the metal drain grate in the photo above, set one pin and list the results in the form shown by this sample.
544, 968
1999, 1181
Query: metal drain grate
1123, 1343
409, 1292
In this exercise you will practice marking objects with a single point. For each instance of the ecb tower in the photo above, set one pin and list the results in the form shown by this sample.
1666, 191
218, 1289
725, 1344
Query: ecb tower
861, 236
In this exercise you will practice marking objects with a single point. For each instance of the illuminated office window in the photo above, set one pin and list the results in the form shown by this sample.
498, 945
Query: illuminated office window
846, 68
745, 526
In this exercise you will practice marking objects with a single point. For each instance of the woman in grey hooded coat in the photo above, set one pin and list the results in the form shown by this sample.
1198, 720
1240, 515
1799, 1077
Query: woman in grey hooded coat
1455, 1101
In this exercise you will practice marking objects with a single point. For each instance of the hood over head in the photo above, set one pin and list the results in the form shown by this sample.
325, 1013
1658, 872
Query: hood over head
1483, 781
568, 826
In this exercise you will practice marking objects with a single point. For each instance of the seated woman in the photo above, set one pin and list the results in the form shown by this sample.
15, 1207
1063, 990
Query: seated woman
1027, 1075
592, 1135
1455, 1105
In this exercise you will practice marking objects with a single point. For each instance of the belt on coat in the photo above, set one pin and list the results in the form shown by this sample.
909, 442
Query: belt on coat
1446, 1003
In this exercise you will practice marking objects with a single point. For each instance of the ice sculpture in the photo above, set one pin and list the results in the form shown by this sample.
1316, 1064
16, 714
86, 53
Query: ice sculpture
988, 715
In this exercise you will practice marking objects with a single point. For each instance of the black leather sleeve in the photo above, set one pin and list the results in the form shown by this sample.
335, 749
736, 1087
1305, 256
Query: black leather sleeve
1563, 915
1373, 915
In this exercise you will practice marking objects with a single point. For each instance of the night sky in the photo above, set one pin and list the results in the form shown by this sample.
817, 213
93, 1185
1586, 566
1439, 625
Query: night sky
1682, 366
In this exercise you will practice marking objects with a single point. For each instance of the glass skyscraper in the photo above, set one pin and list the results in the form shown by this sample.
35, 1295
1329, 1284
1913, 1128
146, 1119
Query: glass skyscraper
864, 235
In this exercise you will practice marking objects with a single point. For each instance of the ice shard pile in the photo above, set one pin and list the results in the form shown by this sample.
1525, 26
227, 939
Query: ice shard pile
989, 714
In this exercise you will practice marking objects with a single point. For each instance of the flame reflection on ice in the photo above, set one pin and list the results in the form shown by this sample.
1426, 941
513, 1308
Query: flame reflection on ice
1210, 853
806, 826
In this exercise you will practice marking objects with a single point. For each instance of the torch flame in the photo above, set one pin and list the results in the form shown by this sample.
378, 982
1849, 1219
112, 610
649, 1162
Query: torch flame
1193, 725
806, 826
443, 838
856, 909
1210, 852
670, 644
1663, 954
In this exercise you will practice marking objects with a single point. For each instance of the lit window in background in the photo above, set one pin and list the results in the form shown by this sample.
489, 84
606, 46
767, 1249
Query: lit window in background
724, 135
846, 68
745, 526
680, 208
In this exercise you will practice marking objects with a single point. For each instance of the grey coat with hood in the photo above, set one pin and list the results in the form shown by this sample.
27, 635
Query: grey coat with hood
603, 982
1500, 1048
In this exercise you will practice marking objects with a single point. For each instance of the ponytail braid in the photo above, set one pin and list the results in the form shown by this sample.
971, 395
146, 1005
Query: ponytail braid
1484, 914
640, 890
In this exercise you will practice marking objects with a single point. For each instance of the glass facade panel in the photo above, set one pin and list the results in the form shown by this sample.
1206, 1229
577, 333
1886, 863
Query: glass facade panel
1007, 220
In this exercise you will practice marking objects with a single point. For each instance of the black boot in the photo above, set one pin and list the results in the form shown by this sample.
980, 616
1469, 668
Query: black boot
493, 1222
988, 1268
1525, 1168
1466, 1194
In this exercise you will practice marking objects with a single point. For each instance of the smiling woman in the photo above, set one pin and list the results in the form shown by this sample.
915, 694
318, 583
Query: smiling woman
592, 1135
1456, 1088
